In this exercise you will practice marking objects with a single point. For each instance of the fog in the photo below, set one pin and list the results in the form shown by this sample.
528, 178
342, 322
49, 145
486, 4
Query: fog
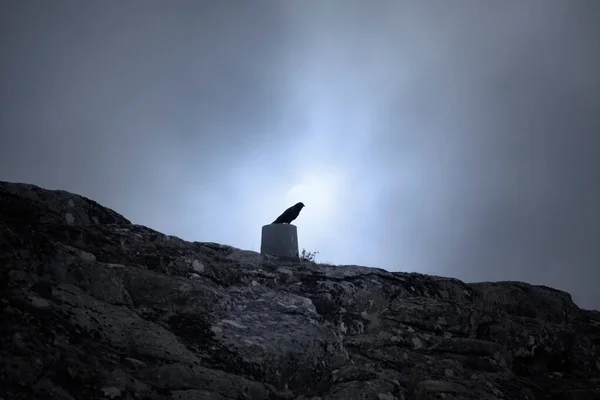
452, 138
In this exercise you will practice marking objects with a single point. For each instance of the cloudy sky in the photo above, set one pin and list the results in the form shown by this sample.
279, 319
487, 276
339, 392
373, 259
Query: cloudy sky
458, 138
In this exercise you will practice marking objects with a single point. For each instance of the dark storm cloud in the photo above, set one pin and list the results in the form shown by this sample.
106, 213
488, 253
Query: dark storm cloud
458, 138
509, 150
142, 105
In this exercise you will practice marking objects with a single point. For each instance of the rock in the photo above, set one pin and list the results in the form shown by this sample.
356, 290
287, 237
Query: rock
93, 306
111, 392
29, 204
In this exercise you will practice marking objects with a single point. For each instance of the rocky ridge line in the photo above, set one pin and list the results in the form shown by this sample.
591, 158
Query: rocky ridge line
95, 307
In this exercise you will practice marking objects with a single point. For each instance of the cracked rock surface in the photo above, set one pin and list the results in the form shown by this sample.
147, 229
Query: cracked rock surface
95, 307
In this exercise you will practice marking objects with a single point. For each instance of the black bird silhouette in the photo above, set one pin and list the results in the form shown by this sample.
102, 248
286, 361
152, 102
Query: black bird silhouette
290, 214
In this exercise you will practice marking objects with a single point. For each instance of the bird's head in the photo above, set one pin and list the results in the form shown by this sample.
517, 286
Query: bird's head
299, 205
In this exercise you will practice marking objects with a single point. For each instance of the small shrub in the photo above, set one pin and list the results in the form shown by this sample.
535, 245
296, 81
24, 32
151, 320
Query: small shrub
308, 255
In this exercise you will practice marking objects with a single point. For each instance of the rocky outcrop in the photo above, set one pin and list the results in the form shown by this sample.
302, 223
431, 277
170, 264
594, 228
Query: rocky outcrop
92, 306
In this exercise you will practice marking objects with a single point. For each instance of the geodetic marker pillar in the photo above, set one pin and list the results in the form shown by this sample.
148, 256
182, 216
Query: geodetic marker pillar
279, 240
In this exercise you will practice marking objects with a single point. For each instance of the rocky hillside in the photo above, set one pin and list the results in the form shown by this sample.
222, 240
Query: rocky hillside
92, 307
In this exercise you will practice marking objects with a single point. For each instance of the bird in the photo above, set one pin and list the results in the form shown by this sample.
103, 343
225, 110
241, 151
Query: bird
290, 214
